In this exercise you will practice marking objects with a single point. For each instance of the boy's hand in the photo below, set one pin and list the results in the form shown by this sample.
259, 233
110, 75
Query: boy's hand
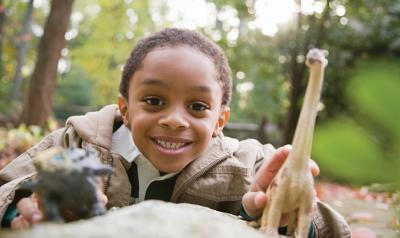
29, 213
255, 200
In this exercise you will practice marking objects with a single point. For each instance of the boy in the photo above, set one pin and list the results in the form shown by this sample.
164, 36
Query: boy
164, 139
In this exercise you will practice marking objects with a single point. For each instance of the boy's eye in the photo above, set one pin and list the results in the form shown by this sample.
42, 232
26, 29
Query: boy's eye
199, 107
154, 101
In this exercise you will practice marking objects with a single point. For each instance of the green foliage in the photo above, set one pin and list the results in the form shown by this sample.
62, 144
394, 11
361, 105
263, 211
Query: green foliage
366, 147
372, 31
11, 37
74, 91
104, 42
378, 93
262, 71
349, 153
4, 89
74, 88
22, 138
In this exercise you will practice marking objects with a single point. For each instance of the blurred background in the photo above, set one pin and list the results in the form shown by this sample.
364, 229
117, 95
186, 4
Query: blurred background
62, 57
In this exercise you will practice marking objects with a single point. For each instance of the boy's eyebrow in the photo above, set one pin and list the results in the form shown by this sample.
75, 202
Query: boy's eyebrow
151, 81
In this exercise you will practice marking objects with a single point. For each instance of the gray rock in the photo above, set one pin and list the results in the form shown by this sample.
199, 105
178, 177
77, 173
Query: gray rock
149, 219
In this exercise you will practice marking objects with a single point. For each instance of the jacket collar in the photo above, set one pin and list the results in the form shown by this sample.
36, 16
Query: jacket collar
96, 127
219, 149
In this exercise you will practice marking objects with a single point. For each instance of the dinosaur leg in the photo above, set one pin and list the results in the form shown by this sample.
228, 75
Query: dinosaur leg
264, 218
292, 222
304, 219
275, 213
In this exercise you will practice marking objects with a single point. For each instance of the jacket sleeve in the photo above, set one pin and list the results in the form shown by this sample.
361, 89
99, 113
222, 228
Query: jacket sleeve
330, 224
21, 169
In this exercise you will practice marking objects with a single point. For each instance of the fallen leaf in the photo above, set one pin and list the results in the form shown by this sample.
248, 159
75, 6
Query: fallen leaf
363, 232
361, 217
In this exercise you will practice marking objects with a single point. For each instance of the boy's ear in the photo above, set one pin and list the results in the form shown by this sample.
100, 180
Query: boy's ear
222, 120
123, 108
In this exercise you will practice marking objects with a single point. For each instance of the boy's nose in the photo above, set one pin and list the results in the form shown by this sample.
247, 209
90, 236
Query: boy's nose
174, 120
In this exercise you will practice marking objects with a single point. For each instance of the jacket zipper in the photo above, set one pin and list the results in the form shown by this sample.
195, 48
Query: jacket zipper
109, 161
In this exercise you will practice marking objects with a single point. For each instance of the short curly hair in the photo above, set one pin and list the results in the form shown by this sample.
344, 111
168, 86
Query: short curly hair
177, 37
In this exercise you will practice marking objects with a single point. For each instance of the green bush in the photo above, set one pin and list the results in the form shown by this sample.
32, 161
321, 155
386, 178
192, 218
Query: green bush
73, 94
365, 147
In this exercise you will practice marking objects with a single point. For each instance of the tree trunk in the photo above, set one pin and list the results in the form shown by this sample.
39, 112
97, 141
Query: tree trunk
38, 104
22, 46
321, 34
296, 78
315, 37
2, 20
262, 133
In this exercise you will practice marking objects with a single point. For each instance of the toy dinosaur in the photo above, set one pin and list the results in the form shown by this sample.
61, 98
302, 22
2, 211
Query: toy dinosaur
67, 183
292, 190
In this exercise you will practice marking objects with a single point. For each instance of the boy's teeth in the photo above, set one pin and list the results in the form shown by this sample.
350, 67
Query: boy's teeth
170, 145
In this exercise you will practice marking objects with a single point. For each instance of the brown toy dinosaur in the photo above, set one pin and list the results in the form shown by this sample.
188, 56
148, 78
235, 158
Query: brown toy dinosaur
292, 190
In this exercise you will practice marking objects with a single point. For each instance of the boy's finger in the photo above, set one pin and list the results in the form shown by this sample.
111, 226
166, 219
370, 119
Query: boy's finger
28, 209
102, 197
314, 168
19, 223
253, 203
269, 169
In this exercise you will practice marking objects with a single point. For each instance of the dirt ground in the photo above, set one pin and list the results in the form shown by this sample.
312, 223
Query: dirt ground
370, 214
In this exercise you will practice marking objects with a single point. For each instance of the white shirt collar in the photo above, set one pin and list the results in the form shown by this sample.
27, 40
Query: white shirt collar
122, 144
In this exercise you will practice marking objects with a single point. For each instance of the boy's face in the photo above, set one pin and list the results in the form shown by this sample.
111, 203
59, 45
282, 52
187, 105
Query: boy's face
174, 106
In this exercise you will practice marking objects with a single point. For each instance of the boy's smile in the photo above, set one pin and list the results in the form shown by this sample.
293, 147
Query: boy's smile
174, 106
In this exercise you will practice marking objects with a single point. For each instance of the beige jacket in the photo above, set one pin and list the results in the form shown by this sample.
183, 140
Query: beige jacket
218, 179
